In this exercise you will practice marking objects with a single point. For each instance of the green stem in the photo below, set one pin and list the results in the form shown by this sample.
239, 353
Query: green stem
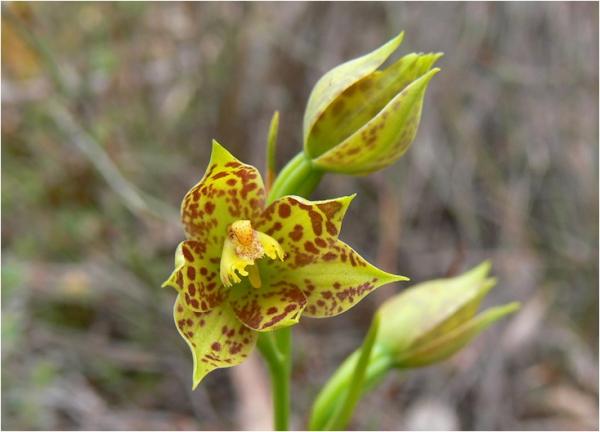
278, 364
271, 149
298, 177
335, 390
341, 416
281, 385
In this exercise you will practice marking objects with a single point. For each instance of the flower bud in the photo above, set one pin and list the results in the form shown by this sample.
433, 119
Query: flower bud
433, 320
359, 119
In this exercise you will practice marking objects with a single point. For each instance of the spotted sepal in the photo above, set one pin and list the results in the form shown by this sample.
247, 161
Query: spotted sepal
332, 276
277, 304
229, 191
306, 230
332, 287
217, 338
196, 278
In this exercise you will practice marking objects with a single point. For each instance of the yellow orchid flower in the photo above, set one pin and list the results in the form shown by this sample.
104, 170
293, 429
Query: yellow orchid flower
246, 268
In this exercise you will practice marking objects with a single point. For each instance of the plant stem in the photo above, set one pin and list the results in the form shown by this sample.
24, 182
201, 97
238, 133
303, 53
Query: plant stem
298, 177
281, 380
335, 390
341, 416
271, 149
275, 348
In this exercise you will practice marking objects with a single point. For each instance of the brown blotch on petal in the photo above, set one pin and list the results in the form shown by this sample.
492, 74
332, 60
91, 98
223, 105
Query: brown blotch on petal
216, 346
331, 229
352, 260
310, 247
220, 175
209, 207
284, 210
191, 273
186, 253
317, 221
330, 208
296, 234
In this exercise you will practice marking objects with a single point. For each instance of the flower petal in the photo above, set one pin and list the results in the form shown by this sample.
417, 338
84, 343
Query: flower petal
229, 191
330, 273
196, 278
335, 284
217, 339
304, 229
276, 304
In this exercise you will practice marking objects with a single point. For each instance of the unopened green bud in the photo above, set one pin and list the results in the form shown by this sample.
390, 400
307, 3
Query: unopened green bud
360, 119
433, 320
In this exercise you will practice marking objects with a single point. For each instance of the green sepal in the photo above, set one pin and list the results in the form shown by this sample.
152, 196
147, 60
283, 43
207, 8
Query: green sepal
384, 138
334, 82
449, 343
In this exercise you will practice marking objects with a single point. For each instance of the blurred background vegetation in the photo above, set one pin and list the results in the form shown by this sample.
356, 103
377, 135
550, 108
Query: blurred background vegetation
108, 111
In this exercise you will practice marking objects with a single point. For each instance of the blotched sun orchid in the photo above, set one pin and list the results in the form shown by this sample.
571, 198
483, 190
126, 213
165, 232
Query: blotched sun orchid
246, 268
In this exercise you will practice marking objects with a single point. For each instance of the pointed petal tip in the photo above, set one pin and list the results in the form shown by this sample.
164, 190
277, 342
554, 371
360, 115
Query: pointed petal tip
512, 307
400, 278
399, 38
482, 269
197, 379
430, 74
219, 151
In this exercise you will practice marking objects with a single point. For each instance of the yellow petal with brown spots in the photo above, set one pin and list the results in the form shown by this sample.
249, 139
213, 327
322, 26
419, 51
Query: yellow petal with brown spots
217, 338
196, 278
275, 305
334, 285
332, 276
303, 228
229, 191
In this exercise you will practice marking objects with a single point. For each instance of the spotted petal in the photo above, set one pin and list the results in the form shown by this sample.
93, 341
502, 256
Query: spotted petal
334, 286
217, 339
330, 273
276, 304
196, 278
229, 191
304, 229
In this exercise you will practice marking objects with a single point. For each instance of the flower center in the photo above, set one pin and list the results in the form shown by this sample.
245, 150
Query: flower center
242, 247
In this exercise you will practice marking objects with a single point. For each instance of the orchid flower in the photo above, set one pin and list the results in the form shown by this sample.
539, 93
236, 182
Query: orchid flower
247, 268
